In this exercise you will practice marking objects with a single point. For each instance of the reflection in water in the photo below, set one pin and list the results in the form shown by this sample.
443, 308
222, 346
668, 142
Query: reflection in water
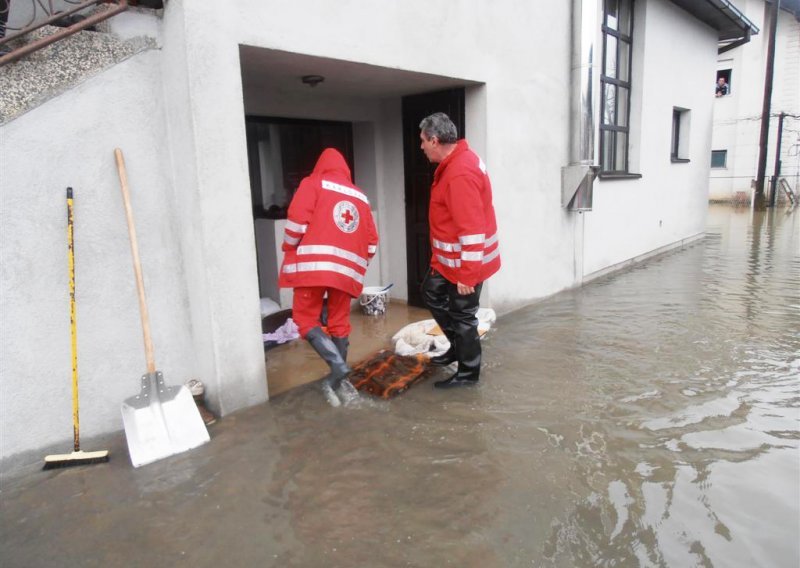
648, 419
691, 401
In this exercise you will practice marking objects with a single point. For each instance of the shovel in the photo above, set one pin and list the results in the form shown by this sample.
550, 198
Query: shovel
160, 421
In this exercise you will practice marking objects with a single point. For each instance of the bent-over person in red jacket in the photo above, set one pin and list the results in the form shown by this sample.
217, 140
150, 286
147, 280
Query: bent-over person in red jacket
329, 239
464, 245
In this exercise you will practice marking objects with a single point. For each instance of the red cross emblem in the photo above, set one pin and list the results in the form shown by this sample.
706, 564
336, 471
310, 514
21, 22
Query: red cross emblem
345, 215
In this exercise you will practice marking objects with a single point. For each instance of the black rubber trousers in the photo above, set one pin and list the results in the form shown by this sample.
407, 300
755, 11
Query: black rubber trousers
455, 314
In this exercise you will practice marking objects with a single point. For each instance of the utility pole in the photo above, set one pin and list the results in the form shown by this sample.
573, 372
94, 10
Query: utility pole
777, 171
762, 144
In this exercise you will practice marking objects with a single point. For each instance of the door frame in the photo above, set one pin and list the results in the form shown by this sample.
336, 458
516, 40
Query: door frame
418, 175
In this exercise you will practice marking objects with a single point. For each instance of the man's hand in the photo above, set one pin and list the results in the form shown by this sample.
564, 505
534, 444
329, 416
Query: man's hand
463, 289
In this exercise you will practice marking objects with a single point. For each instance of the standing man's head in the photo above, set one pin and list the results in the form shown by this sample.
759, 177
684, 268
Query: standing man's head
438, 136
721, 81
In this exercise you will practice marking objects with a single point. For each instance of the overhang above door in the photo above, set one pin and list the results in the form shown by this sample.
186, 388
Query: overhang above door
274, 69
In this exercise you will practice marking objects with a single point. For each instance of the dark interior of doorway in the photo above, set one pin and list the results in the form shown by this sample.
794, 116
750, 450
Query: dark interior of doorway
282, 151
418, 177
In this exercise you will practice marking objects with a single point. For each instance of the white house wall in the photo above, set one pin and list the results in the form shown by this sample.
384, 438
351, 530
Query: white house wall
69, 141
632, 217
209, 161
737, 117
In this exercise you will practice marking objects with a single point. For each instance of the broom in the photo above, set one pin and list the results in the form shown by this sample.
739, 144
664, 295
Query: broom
77, 457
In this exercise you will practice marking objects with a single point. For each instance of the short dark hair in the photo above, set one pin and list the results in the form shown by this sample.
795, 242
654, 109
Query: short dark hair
439, 125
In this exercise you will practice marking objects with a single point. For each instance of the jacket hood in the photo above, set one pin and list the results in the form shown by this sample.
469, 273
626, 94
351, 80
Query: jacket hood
331, 160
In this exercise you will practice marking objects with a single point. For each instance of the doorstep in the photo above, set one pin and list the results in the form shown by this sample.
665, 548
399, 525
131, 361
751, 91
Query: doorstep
296, 363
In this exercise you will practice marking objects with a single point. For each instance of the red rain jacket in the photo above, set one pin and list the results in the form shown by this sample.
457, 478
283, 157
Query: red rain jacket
330, 234
464, 244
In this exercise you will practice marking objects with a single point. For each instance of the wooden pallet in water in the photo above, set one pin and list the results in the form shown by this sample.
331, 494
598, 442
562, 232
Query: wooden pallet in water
386, 374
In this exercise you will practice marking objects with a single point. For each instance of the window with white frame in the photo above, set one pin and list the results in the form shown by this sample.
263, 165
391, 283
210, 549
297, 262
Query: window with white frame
719, 158
615, 84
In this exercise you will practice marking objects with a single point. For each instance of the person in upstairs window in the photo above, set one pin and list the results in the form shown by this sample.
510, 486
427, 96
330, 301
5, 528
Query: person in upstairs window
464, 245
722, 87
329, 239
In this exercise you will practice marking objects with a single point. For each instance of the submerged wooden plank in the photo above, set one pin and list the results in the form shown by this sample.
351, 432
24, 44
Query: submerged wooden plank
386, 374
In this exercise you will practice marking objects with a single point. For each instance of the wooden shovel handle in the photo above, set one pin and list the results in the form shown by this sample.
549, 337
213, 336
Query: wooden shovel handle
137, 266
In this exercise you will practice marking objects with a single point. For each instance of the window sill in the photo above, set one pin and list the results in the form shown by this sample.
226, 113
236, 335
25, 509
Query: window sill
618, 175
680, 160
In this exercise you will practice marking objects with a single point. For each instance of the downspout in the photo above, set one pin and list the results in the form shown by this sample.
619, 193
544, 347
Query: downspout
577, 178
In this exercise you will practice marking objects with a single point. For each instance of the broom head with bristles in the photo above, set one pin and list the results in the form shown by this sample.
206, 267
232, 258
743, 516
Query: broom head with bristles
75, 458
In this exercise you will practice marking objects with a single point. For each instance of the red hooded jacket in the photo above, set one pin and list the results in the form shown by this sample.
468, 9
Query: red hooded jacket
464, 244
330, 234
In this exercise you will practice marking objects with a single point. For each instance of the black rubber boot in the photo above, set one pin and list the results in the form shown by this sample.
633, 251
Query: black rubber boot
329, 351
456, 315
456, 381
467, 344
469, 363
447, 357
342, 343
344, 388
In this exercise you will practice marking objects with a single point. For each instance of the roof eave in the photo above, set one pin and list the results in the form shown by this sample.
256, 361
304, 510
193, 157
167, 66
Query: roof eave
741, 21
731, 24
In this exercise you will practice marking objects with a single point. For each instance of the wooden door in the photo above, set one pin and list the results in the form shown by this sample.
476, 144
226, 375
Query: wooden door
418, 177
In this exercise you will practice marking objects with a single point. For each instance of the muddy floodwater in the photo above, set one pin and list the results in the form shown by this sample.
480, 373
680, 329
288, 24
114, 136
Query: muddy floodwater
651, 418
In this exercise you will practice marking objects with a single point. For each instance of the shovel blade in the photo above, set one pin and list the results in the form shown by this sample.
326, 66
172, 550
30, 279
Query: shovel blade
161, 421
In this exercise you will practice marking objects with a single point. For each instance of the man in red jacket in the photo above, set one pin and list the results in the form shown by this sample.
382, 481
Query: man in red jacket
329, 239
464, 246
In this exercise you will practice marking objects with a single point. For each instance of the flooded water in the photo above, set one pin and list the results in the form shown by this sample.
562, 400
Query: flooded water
648, 419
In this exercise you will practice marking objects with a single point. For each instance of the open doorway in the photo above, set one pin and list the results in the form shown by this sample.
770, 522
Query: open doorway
280, 153
418, 177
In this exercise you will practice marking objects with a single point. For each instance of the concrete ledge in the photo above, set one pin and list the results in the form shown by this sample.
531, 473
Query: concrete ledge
642, 257
53, 70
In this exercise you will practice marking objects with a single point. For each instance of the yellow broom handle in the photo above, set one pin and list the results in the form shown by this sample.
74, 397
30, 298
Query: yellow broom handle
73, 330
137, 267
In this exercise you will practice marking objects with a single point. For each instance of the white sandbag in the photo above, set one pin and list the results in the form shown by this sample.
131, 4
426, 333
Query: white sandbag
416, 338
487, 316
